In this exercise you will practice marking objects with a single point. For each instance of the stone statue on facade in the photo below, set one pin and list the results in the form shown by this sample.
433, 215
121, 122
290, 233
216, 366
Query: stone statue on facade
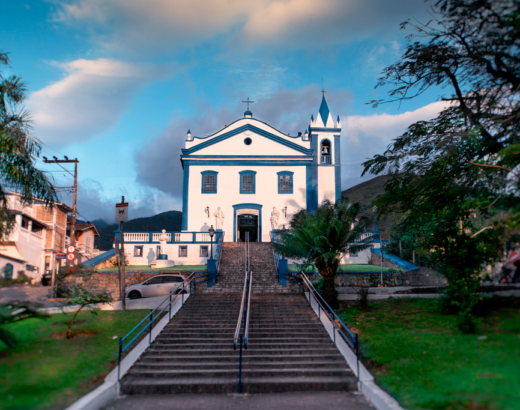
163, 238
219, 218
275, 215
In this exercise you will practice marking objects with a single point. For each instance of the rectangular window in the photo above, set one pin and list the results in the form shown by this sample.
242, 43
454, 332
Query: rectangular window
352, 254
204, 251
210, 184
25, 223
158, 250
248, 184
138, 251
37, 229
183, 251
285, 184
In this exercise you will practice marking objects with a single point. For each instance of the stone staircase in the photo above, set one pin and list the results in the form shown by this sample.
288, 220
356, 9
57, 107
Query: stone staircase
289, 350
194, 353
231, 275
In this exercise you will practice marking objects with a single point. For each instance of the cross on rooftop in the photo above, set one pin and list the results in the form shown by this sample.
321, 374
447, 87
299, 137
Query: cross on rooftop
248, 102
322, 89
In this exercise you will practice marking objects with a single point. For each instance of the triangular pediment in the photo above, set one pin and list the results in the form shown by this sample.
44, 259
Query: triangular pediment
262, 142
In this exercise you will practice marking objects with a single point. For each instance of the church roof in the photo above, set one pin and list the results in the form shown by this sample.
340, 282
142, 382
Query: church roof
324, 110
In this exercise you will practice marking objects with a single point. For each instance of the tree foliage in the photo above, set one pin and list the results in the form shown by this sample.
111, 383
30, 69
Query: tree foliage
456, 177
322, 237
18, 149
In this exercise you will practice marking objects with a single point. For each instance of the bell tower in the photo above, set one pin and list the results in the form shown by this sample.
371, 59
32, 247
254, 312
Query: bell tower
326, 166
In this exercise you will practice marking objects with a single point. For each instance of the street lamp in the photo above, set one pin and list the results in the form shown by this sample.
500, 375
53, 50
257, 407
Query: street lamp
211, 234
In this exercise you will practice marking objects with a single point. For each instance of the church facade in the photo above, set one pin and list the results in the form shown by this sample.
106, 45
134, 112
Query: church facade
248, 177
251, 177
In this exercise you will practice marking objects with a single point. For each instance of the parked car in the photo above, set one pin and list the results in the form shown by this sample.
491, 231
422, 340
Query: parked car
47, 278
160, 285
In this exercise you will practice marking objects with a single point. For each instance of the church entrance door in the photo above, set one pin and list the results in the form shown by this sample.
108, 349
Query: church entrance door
247, 223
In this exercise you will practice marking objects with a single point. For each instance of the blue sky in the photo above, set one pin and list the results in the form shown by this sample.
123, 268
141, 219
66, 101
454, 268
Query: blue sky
117, 83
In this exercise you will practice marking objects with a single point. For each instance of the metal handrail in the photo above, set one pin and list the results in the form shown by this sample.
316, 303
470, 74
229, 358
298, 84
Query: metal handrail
241, 314
244, 309
219, 250
248, 309
152, 319
333, 317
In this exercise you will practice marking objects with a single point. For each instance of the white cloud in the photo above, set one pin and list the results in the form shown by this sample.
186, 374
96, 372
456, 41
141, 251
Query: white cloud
366, 136
98, 201
388, 126
131, 25
89, 99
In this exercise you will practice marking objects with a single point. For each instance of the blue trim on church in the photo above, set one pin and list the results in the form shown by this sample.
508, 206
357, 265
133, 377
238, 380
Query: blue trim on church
337, 163
239, 130
185, 183
320, 129
308, 183
314, 172
255, 163
252, 206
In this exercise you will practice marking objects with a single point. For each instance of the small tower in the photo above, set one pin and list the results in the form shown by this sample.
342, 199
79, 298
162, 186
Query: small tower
188, 136
326, 170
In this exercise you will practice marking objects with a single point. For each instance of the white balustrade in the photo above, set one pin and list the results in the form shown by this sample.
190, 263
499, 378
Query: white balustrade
183, 237
203, 237
156, 235
136, 237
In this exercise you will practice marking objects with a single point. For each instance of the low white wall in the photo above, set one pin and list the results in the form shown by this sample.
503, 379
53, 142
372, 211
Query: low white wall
172, 250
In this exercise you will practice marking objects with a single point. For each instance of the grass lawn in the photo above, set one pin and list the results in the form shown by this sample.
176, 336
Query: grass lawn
344, 268
422, 359
47, 370
146, 268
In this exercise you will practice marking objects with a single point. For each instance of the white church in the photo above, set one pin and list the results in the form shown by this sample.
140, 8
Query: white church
247, 177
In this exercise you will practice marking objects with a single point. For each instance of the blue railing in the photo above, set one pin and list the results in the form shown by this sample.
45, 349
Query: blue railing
350, 337
211, 276
151, 319
282, 269
242, 336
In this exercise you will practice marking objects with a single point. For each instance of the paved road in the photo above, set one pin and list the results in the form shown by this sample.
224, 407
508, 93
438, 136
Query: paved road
26, 293
271, 401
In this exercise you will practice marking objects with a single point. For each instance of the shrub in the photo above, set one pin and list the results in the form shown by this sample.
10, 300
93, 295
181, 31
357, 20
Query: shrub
83, 297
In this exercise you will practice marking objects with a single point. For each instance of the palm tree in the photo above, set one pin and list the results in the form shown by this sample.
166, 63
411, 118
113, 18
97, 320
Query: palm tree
321, 237
18, 150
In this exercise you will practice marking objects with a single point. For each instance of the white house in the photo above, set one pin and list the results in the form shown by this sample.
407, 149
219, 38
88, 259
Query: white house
248, 177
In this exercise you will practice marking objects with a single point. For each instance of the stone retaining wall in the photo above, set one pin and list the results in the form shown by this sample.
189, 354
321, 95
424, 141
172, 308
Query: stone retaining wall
420, 277
109, 281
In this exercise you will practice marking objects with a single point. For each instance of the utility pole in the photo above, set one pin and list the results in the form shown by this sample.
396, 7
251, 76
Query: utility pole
121, 217
74, 197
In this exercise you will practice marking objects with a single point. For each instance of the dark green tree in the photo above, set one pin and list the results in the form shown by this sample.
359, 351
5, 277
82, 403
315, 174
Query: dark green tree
18, 149
456, 177
322, 237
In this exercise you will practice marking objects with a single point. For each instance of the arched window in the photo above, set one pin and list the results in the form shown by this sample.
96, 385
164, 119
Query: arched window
325, 152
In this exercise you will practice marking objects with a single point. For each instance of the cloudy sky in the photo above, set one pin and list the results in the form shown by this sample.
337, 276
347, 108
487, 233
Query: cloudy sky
117, 83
